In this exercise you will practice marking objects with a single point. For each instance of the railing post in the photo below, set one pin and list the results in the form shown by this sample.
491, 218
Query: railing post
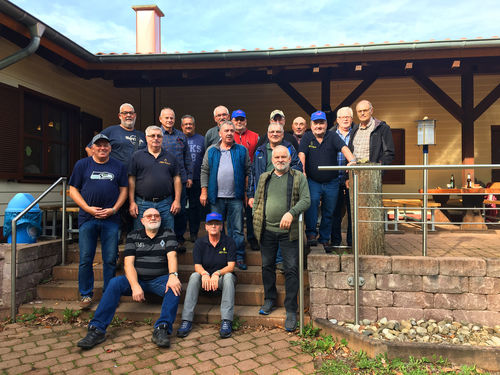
355, 242
13, 272
301, 273
63, 222
424, 208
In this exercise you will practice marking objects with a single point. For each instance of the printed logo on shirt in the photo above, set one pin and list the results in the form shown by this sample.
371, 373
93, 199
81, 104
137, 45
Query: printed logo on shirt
223, 251
162, 243
164, 161
140, 244
311, 145
132, 138
100, 175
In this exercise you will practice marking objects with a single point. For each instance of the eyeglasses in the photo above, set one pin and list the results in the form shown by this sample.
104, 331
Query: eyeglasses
344, 117
127, 113
212, 224
155, 135
151, 216
275, 131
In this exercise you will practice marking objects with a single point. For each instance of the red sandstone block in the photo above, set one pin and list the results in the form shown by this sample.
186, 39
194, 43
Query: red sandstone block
438, 314
465, 301
317, 279
488, 318
346, 313
323, 262
319, 295
415, 265
417, 299
445, 284
318, 311
367, 263
462, 266
484, 285
403, 283
372, 298
400, 313
493, 267
338, 280
494, 303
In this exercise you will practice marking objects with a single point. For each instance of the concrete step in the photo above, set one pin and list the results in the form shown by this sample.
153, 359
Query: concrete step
142, 312
246, 294
253, 275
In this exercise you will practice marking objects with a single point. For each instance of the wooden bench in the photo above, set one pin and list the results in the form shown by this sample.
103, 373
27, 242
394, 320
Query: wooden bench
397, 204
490, 202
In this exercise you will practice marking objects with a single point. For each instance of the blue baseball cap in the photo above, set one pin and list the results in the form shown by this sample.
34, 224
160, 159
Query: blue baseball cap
318, 115
238, 113
213, 216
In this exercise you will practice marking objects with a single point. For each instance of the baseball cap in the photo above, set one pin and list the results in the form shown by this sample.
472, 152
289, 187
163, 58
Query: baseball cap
276, 112
213, 216
318, 115
99, 136
238, 113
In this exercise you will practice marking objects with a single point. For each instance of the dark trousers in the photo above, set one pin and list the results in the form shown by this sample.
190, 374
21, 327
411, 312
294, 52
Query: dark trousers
269, 245
180, 220
249, 219
195, 208
343, 206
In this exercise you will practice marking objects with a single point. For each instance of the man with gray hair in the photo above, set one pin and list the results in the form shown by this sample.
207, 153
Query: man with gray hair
221, 114
154, 181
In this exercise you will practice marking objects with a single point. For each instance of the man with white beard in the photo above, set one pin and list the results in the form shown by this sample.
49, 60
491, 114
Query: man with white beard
150, 267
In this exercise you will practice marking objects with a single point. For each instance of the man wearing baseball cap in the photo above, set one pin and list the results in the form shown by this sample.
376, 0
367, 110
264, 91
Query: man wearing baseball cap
278, 117
214, 258
320, 148
99, 186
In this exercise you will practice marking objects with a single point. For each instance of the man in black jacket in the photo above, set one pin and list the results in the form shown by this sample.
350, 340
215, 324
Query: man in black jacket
371, 140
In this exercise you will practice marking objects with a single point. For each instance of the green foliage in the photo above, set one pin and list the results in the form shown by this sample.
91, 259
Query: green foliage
310, 331
37, 313
148, 321
117, 321
237, 323
335, 368
70, 315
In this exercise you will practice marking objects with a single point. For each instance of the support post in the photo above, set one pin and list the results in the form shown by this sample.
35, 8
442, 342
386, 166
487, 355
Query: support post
356, 246
301, 273
424, 208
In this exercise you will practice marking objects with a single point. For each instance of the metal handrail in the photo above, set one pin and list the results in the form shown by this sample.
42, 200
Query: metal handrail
354, 209
14, 239
301, 273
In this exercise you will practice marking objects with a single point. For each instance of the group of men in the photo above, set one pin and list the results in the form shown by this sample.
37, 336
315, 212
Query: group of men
149, 180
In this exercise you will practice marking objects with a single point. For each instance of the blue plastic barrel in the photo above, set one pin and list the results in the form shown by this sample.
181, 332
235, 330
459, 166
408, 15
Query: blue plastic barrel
29, 226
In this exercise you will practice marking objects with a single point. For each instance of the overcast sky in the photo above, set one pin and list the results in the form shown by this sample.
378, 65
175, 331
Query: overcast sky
196, 25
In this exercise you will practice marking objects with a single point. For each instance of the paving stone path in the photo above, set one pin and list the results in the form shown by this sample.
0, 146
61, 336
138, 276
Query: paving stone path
129, 350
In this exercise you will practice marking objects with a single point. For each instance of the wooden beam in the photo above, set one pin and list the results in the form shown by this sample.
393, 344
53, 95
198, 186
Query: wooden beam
467, 86
487, 102
296, 97
326, 98
439, 95
357, 92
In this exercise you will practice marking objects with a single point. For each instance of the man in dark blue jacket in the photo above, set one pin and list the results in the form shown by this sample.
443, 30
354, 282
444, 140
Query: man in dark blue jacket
224, 180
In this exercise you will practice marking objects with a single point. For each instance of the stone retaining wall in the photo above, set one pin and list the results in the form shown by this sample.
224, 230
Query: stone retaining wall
404, 287
34, 264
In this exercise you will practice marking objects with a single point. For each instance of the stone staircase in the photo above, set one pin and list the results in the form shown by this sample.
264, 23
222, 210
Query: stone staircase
61, 292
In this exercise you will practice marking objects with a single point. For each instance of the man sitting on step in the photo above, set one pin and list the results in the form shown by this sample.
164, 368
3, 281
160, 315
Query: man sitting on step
150, 267
214, 258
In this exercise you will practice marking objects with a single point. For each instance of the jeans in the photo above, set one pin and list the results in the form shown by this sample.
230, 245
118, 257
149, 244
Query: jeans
269, 245
338, 214
195, 207
231, 210
227, 284
180, 220
326, 193
119, 286
87, 240
163, 207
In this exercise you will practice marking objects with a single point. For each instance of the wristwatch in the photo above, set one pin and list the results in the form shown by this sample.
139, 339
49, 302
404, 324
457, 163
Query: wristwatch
174, 273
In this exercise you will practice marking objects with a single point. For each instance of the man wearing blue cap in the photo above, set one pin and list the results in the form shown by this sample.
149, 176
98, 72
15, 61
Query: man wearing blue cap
249, 140
214, 258
320, 148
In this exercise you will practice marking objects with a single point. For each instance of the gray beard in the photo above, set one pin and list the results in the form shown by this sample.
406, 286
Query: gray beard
152, 226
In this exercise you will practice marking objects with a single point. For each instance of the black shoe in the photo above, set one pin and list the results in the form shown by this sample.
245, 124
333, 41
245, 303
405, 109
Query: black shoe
267, 307
193, 237
185, 328
312, 241
291, 321
280, 267
254, 244
328, 248
160, 336
94, 337
180, 249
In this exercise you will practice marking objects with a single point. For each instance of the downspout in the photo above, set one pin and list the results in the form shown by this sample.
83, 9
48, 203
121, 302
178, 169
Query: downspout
36, 31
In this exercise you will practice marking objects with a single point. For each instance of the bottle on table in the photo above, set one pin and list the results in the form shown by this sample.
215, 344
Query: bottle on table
452, 182
469, 181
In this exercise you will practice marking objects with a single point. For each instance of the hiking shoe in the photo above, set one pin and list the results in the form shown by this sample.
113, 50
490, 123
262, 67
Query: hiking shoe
312, 241
193, 237
185, 328
280, 267
267, 307
85, 302
160, 336
254, 244
291, 321
180, 249
241, 264
226, 329
94, 337
328, 248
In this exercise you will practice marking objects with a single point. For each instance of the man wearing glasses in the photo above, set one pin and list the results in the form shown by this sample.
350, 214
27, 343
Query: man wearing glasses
154, 181
150, 267
212, 136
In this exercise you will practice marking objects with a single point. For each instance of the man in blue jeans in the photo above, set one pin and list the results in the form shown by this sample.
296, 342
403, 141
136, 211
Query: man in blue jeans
150, 267
98, 185
154, 181
320, 148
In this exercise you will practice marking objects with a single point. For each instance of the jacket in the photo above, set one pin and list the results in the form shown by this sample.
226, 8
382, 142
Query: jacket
381, 143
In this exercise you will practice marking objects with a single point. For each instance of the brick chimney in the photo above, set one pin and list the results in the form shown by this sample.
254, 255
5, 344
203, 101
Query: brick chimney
148, 28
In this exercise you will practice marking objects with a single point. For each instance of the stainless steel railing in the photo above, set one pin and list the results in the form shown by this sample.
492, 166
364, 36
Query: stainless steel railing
354, 210
62, 180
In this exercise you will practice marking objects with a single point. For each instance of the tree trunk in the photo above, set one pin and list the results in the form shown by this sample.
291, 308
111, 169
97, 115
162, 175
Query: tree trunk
370, 235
